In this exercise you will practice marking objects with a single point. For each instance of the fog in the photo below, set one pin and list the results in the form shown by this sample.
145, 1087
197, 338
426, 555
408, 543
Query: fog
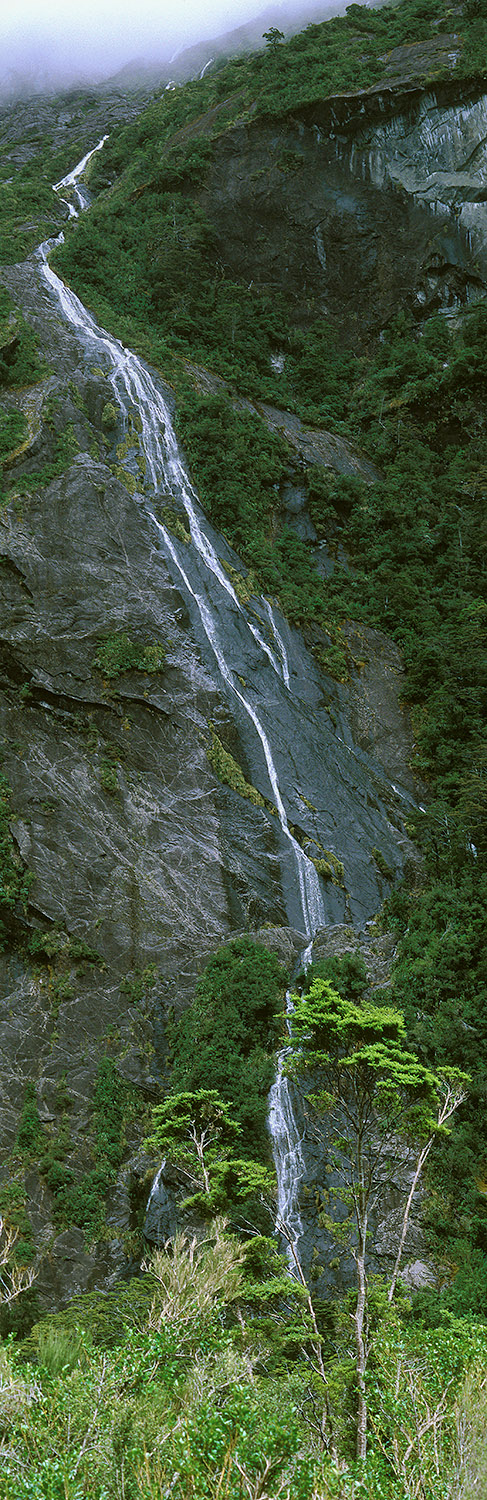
46, 43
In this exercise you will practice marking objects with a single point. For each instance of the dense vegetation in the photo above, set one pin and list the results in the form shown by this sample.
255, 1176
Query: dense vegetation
215, 1373
30, 163
19, 365
177, 1389
226, 1040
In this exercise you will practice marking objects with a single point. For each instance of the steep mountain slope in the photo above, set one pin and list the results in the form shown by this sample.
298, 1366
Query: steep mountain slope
254, 238
135, 851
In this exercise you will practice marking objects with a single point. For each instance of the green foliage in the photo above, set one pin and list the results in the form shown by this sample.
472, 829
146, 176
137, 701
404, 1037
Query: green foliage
347, 975
29, 209
13, 431
241, 497
61, 945
440, 981
65, 449
330, 867
139, 985
228, 770
225, 1040
382, 865
110, 416
15, 881
360, 1057
187, 1402
102, 1318
29, 1133
19, 360
13, 1198
179, 1402
196, 1132
186, 1119
81, 1200
109, 777
119, 654
410, 1380
273, 37
174, 1381
407, 570
363, 1090
60, 1350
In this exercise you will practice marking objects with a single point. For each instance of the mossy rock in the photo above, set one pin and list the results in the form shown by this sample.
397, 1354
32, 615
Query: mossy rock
330, 868
175, 523
382, 865
246, 587
125, 478
228, 770
118, 654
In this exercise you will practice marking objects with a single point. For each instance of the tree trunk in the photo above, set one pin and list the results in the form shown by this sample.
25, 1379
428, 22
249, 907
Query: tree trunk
361, 1353
419, 1167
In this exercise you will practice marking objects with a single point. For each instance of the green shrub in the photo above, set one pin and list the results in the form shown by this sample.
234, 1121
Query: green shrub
110, 416
29, 1133
119, 654
109, 777
226, 1039
13, 431
19, 360
81, 1200
15, 881
228, 770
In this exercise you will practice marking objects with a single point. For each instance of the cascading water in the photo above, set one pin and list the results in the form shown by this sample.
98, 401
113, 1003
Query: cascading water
132, 385
287, 1142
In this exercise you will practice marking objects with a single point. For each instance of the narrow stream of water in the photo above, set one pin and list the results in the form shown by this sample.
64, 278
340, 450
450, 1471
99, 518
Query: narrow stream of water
133, 386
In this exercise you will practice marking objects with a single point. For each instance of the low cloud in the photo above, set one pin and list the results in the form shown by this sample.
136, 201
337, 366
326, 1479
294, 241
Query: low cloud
44, 44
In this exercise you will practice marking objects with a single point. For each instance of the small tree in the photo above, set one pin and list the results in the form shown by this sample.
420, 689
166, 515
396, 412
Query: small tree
273, 38
13, 1279
364, 1090
196, 1132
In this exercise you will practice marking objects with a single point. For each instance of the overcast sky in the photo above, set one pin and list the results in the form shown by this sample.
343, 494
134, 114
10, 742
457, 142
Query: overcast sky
96, 37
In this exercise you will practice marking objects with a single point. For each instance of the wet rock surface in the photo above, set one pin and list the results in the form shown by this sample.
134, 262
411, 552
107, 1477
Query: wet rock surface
358, 203
79, 114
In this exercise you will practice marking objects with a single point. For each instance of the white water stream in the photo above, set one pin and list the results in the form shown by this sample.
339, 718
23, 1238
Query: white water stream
287, 1142
132, 384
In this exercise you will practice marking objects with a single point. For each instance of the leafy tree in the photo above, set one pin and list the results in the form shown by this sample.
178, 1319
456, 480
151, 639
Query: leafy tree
14, 1279
196, 1131
191, 1128
273, 37
364, 1091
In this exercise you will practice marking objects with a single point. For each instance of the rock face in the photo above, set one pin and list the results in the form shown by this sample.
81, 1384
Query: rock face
359, 204
66, 118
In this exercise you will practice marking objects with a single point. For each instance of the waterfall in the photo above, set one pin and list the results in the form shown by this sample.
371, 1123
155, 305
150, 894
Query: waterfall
287, 1142
132, 385
279, 641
